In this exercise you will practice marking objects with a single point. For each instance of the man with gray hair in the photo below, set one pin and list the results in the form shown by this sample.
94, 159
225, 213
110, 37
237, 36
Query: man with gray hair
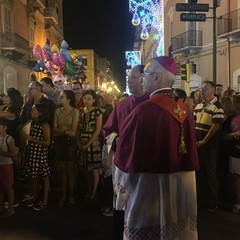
155, 161
35, 89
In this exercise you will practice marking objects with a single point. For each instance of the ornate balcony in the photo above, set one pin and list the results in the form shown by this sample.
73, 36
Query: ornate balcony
34, 6
51, 13
37, 3
14, 46
228, 26
187, 42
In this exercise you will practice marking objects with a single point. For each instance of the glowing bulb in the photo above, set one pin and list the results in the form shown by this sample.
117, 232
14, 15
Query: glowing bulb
144, 34
136, 20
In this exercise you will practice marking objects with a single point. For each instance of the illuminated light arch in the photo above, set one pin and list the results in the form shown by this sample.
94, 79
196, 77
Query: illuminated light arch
149, 14
133, 58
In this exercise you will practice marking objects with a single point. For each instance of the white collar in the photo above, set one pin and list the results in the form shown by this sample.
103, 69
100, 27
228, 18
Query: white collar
158, 90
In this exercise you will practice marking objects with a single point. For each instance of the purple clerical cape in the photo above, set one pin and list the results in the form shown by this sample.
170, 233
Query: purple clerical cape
115, 120
149, 141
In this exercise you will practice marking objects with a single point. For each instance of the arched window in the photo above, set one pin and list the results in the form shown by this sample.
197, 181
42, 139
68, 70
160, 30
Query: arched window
9, 78
238, 83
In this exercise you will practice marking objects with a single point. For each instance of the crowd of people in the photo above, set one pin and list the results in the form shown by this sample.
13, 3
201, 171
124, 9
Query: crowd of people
47, 137
150, 160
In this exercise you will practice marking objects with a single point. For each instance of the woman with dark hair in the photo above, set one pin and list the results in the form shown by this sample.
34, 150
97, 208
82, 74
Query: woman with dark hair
89, 129
65, 144
36, 166
13, 102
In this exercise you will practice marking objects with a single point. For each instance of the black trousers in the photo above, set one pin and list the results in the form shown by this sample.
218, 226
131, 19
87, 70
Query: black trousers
207, 180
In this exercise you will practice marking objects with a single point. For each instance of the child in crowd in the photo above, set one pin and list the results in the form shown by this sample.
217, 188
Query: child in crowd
36, 166
7, 153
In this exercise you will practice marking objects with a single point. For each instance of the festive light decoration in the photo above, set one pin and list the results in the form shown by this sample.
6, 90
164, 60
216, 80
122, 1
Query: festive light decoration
133, 58
156, 37
136, 20
148, 14
110, 87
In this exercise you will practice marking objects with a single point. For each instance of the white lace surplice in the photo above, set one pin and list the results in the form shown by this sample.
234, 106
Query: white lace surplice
157, 206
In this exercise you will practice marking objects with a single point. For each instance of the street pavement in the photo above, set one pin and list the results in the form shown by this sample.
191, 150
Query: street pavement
82, 222
54, 222
218, 225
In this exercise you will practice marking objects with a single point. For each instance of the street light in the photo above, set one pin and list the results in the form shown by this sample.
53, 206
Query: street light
216, 3
214, 42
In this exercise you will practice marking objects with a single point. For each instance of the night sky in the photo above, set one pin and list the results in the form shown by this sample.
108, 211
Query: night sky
102, 25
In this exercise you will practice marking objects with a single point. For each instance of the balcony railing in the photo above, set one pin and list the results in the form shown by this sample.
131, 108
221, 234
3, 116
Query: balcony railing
51, 13
189, 40
13, 40
37, 3
229, 23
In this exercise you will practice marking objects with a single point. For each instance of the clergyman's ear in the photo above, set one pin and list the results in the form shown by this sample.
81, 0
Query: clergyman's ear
158, 76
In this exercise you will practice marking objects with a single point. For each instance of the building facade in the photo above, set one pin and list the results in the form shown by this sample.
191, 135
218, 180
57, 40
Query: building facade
98, 70
23, 24
193, 42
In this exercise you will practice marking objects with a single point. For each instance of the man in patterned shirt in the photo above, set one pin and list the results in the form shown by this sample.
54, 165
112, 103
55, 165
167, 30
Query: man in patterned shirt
209, 116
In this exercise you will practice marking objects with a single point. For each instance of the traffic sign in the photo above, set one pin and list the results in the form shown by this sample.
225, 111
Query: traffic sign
201, 7
193, 17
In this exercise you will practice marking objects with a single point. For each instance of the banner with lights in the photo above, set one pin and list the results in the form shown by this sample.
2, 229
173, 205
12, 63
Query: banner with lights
149, 14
